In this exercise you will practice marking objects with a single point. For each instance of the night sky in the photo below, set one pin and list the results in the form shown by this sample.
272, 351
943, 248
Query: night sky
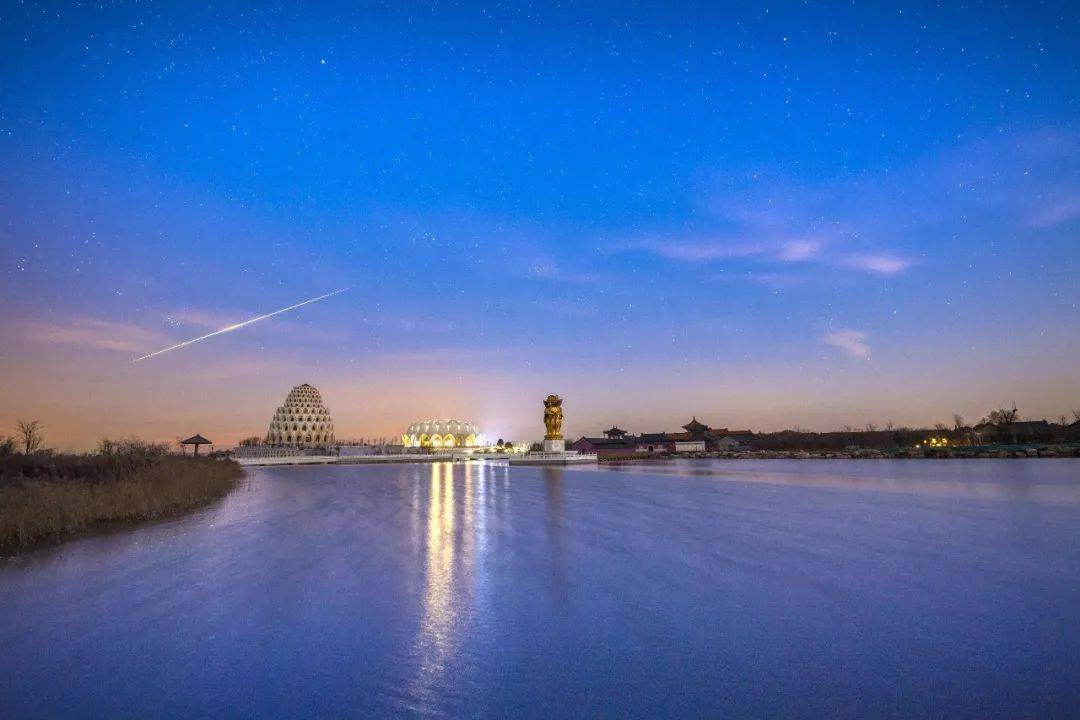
792, 215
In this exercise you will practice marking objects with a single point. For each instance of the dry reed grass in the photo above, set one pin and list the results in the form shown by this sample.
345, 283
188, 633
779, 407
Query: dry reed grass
49, 497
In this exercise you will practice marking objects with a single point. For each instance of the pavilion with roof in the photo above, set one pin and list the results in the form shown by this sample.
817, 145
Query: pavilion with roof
196, 440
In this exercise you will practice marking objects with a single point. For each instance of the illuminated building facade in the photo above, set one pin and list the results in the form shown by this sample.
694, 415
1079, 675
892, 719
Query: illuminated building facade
442, 434
302, 420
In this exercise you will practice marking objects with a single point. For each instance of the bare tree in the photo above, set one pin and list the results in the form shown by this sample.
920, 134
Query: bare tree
871, 427
957, 421
32, 439
7, 446
890, 425
1076, 415
134, 447
1003, 417
941, 427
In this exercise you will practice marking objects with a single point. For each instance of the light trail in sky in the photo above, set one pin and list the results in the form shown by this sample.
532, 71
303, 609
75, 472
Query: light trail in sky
237, 326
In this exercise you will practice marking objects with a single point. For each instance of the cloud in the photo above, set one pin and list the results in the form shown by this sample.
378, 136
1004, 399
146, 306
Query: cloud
880, 220
800, 250
695, 250
1056, 212
853, 342
879, 263
94, 333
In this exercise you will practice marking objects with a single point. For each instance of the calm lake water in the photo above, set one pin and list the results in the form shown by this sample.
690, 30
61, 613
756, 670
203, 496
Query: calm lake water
694, 589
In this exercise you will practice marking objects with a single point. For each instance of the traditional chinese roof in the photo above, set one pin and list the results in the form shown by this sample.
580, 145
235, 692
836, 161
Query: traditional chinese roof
196, 440
695, 426
1030, 425
606, 442
615, 430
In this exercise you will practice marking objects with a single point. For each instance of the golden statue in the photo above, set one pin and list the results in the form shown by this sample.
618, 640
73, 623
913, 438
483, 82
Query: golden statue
553, 417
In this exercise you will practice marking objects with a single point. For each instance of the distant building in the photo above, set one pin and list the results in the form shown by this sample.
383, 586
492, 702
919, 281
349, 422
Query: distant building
696, 437
1021, 431
303, 420
443, 434
1031, 430
1070, 432
732, 442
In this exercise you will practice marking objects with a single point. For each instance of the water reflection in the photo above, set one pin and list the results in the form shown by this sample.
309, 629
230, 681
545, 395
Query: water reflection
1035, 480
554, 502
475, 590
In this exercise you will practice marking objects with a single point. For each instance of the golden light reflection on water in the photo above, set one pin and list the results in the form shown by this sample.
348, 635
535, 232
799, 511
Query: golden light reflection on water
454, 537
438, 603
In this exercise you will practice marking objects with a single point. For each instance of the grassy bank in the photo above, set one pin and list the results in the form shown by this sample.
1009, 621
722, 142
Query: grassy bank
48, 497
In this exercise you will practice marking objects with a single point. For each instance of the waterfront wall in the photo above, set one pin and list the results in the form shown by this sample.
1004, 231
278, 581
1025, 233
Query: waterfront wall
974, 451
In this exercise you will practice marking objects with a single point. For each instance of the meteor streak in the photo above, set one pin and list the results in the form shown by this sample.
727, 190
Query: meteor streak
237, 326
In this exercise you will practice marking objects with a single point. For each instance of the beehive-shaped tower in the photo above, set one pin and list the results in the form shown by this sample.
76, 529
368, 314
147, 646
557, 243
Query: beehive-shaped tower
302, 420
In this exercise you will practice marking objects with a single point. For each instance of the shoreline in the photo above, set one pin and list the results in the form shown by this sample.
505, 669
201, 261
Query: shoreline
988, 452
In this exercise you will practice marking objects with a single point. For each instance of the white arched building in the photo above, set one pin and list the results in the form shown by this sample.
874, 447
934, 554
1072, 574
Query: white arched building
443, 434
302, 420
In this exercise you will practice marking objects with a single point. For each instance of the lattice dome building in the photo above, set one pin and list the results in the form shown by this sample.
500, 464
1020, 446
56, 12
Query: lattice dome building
302, 420
443, 434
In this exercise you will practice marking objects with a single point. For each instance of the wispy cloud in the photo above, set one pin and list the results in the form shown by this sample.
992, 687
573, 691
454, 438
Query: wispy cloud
95, 333
879, 222
800, 250
880, 263
852, 342
1055, 212
694, 249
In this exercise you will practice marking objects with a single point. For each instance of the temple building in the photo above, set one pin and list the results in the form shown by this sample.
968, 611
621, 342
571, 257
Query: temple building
302, 420
442, 434
696, 437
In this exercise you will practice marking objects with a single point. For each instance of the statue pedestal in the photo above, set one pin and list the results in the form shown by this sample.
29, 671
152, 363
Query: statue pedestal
555, 446
554, 452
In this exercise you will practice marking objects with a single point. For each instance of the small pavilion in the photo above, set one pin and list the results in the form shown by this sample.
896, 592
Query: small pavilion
196, 440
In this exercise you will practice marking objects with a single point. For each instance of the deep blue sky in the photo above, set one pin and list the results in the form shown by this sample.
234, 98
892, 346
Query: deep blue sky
800, 215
